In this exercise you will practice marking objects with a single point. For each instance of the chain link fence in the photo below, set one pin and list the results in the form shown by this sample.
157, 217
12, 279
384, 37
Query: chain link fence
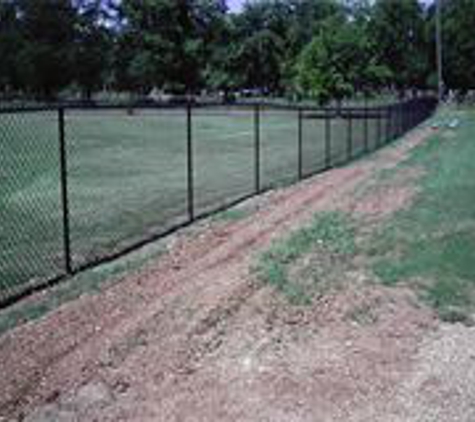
83, 185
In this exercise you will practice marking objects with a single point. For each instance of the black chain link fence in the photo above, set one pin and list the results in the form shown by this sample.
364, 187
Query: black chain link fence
83, 185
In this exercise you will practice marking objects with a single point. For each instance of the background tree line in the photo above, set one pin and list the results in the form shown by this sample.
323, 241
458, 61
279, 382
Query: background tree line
322, 49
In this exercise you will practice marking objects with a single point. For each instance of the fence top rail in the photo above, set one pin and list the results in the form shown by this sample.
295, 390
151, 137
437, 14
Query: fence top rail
27, 109
236, 105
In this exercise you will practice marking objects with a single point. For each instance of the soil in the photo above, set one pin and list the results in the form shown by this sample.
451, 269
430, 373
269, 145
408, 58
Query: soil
195, 337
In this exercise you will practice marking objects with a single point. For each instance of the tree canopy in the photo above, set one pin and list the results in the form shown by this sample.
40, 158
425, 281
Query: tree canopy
324, 49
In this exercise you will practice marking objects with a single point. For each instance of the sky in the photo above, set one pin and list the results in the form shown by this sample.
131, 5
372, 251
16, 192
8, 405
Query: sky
235, 5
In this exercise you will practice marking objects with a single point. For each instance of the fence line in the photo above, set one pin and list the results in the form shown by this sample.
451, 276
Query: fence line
78, 250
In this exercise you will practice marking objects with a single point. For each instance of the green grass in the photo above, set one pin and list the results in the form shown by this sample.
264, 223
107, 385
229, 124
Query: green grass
331, 233
127, 176
429, 246
434, 240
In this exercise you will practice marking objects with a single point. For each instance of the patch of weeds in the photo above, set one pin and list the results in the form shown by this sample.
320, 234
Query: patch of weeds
452, 299
389, 272
446, 293
328, 232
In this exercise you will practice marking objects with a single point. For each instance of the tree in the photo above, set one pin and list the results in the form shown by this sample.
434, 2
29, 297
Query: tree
323, 47
262, 34
259, 61
221, 68
306, 19
337, 62
397, 31
45, 61
168, 41
91, 46
458, 21
11, 43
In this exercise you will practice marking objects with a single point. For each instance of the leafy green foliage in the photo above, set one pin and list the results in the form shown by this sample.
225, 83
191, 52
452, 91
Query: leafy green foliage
92, 41
165, 41
325, 49
11, 42
458, 43
338, 62
45, 62
398, 31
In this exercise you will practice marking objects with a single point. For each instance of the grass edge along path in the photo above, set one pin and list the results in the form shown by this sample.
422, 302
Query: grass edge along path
431, 245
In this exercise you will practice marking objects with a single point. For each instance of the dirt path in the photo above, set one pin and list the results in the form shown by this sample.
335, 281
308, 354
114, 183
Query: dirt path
196, 338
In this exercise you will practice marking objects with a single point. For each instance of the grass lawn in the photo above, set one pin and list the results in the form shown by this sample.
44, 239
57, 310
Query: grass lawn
429, 246
127, 176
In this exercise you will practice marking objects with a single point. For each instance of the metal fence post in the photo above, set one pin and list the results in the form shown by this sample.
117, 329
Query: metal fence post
64, 191
349, 140
388, 124
365, 128
404, 118
378, 127
396, 121
257, 149
190, 169
328, 140
300, 146
401, 120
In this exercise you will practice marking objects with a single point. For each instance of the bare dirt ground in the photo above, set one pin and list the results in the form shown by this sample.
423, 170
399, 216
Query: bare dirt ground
195, 337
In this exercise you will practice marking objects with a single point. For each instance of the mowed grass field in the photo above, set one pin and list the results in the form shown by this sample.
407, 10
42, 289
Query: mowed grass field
127, 176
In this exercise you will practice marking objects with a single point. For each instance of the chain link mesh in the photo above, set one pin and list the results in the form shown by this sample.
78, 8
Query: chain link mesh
279, 149
126, 177
129, 176
223, 155
31, 248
